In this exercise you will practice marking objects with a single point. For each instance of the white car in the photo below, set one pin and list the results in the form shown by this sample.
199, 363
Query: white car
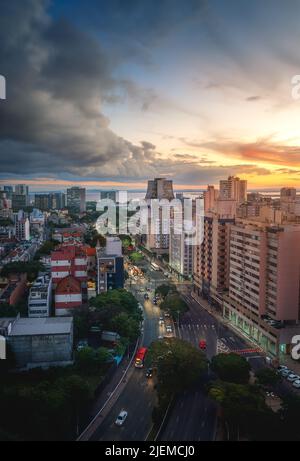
282, 367
169, 329
121, 418
296, 384
292, 377
285, 372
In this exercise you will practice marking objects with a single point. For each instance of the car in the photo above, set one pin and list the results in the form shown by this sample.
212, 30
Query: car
154, 301
282, 367
82, 344
160, 337
285, 372
169, 329
296, 383
292, 377
146, 296
121, 418
149, 373
202, 344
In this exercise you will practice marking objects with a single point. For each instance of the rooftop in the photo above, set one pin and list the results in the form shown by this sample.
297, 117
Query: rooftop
42, 326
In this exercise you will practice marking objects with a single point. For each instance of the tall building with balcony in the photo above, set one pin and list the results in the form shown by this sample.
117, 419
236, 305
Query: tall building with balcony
210, 196
181, 231
264, 283
211, 259
22, 227
233, 188
157, 239
76, 199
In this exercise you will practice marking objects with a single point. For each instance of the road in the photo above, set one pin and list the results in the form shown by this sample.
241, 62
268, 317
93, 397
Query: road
138, 397
193, 418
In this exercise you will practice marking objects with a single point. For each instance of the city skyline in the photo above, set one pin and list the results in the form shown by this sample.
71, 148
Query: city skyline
187, 92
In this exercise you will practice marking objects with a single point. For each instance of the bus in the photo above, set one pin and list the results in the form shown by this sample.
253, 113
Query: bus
155, 267
140, 357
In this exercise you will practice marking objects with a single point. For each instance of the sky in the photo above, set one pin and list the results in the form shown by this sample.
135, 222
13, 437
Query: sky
111, 93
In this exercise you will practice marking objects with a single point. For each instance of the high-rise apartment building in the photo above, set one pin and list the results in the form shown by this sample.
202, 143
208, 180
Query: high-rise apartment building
22, 227
288, 194
210, 196
21, 189
264, 282
233, 188
108, 195
211, 259
157, 239
76, 199
181, 231
42, 202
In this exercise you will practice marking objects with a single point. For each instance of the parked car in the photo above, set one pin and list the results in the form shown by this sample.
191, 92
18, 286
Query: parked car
296, 383
282, 367
285, 372
121, 418
292, 377
169, 329
146, 296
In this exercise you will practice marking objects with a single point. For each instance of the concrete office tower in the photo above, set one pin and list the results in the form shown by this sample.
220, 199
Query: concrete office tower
233, 188
76, 199
264, 282
210, 196
160, 188
157, 240
211, 259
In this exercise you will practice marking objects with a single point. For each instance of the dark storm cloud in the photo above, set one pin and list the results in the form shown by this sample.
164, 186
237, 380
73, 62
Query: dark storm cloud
57, 78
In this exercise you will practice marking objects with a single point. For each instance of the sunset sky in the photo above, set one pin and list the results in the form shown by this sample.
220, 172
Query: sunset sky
115, 92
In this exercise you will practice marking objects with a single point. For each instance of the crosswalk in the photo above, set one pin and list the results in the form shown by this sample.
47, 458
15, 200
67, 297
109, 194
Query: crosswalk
196, 325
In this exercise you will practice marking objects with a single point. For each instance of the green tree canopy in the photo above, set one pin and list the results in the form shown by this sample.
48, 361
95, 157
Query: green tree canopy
90, 360
179, 365
245, 411
267, 377
117, 310
164, 290
31, 268
231, 367
174, 304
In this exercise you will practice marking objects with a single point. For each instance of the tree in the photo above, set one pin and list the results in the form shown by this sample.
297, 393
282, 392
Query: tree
174, 304
90, 360
46, 249
126, 326
231, 367
245, 412
136, 257
164, 290
6, 310
179, 365
267, 377
31, 268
